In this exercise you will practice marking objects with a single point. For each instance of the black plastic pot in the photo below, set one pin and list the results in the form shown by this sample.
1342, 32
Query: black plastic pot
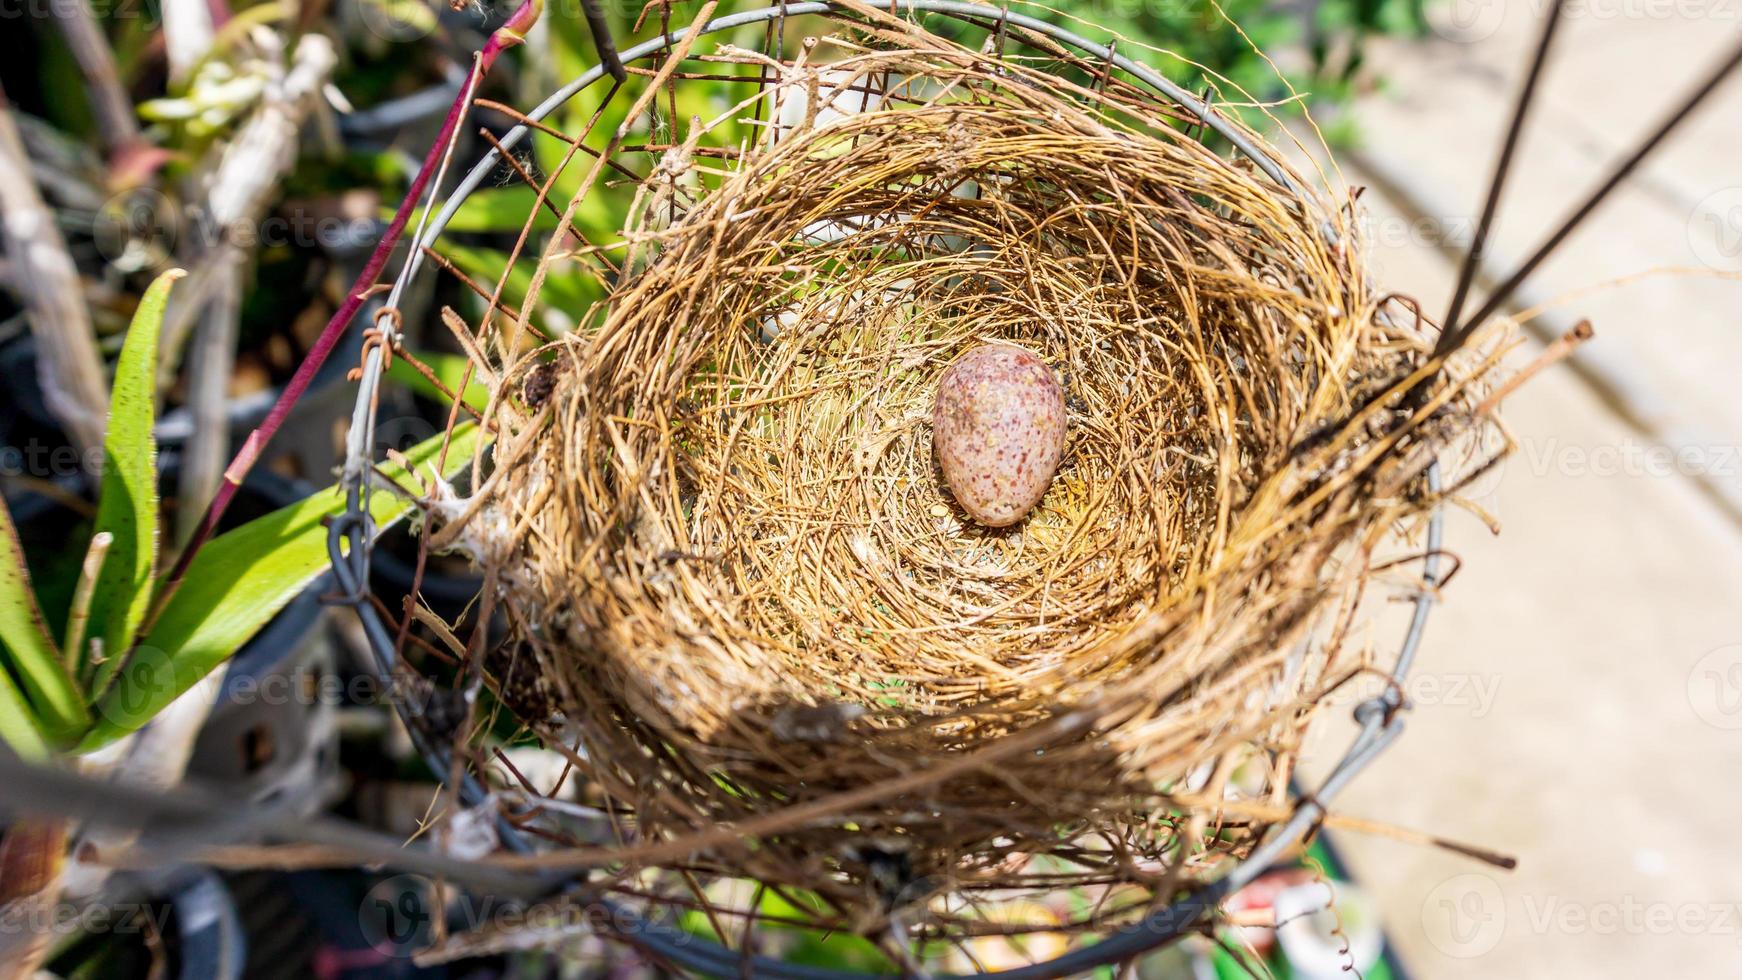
213, 946
184, 916
273, 733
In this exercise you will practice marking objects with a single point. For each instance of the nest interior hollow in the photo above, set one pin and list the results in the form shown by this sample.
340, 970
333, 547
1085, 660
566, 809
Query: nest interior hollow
743, 574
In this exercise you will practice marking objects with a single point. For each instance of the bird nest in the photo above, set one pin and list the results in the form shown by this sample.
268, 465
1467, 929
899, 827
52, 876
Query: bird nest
747, 595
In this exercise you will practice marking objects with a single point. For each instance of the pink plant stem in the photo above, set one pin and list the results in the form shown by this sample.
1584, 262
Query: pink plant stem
509, 35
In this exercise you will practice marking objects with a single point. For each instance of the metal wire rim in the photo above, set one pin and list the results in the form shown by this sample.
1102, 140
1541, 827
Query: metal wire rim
1380, 718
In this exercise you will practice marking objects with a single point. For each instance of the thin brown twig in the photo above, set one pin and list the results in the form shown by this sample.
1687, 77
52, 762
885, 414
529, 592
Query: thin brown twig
1562, 348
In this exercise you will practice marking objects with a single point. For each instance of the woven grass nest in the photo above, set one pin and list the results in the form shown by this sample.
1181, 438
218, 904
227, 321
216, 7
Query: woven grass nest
749, 598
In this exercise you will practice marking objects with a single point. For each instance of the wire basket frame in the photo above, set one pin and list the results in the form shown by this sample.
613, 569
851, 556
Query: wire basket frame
1379, 718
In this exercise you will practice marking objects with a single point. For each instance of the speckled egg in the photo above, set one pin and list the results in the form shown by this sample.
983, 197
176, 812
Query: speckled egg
998, 431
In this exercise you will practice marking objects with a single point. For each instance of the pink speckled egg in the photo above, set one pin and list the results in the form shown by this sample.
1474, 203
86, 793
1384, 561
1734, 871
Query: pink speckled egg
998, 431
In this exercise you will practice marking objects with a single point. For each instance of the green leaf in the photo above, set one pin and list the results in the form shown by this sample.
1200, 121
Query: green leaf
839, 951
18, 723
127, 499
565, 288
449, 369
502, 209
53, 698
486, 265
238, 582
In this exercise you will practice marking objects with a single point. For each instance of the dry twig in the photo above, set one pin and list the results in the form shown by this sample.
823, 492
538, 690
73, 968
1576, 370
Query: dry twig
69, 367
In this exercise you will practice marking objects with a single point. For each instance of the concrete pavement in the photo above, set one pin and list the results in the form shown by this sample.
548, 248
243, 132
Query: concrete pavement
1595, 645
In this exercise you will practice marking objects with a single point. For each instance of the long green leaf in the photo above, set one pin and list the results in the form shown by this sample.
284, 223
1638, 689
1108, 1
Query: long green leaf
53, 698
570, 293
127, 500
238, 582
502, 209
18, 728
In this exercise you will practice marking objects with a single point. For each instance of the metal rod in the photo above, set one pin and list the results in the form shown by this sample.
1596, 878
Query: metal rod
603, 43
1502, 167
1504, 291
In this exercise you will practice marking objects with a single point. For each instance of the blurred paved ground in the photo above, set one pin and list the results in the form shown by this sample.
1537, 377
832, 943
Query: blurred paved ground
1580, 692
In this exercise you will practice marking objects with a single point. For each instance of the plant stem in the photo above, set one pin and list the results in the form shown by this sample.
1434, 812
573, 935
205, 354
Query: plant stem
81, 611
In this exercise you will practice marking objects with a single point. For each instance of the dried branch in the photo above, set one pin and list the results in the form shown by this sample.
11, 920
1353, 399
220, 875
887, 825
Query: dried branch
46, 280
117, 126
245, 175
187, 35
210, 363
244, 179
